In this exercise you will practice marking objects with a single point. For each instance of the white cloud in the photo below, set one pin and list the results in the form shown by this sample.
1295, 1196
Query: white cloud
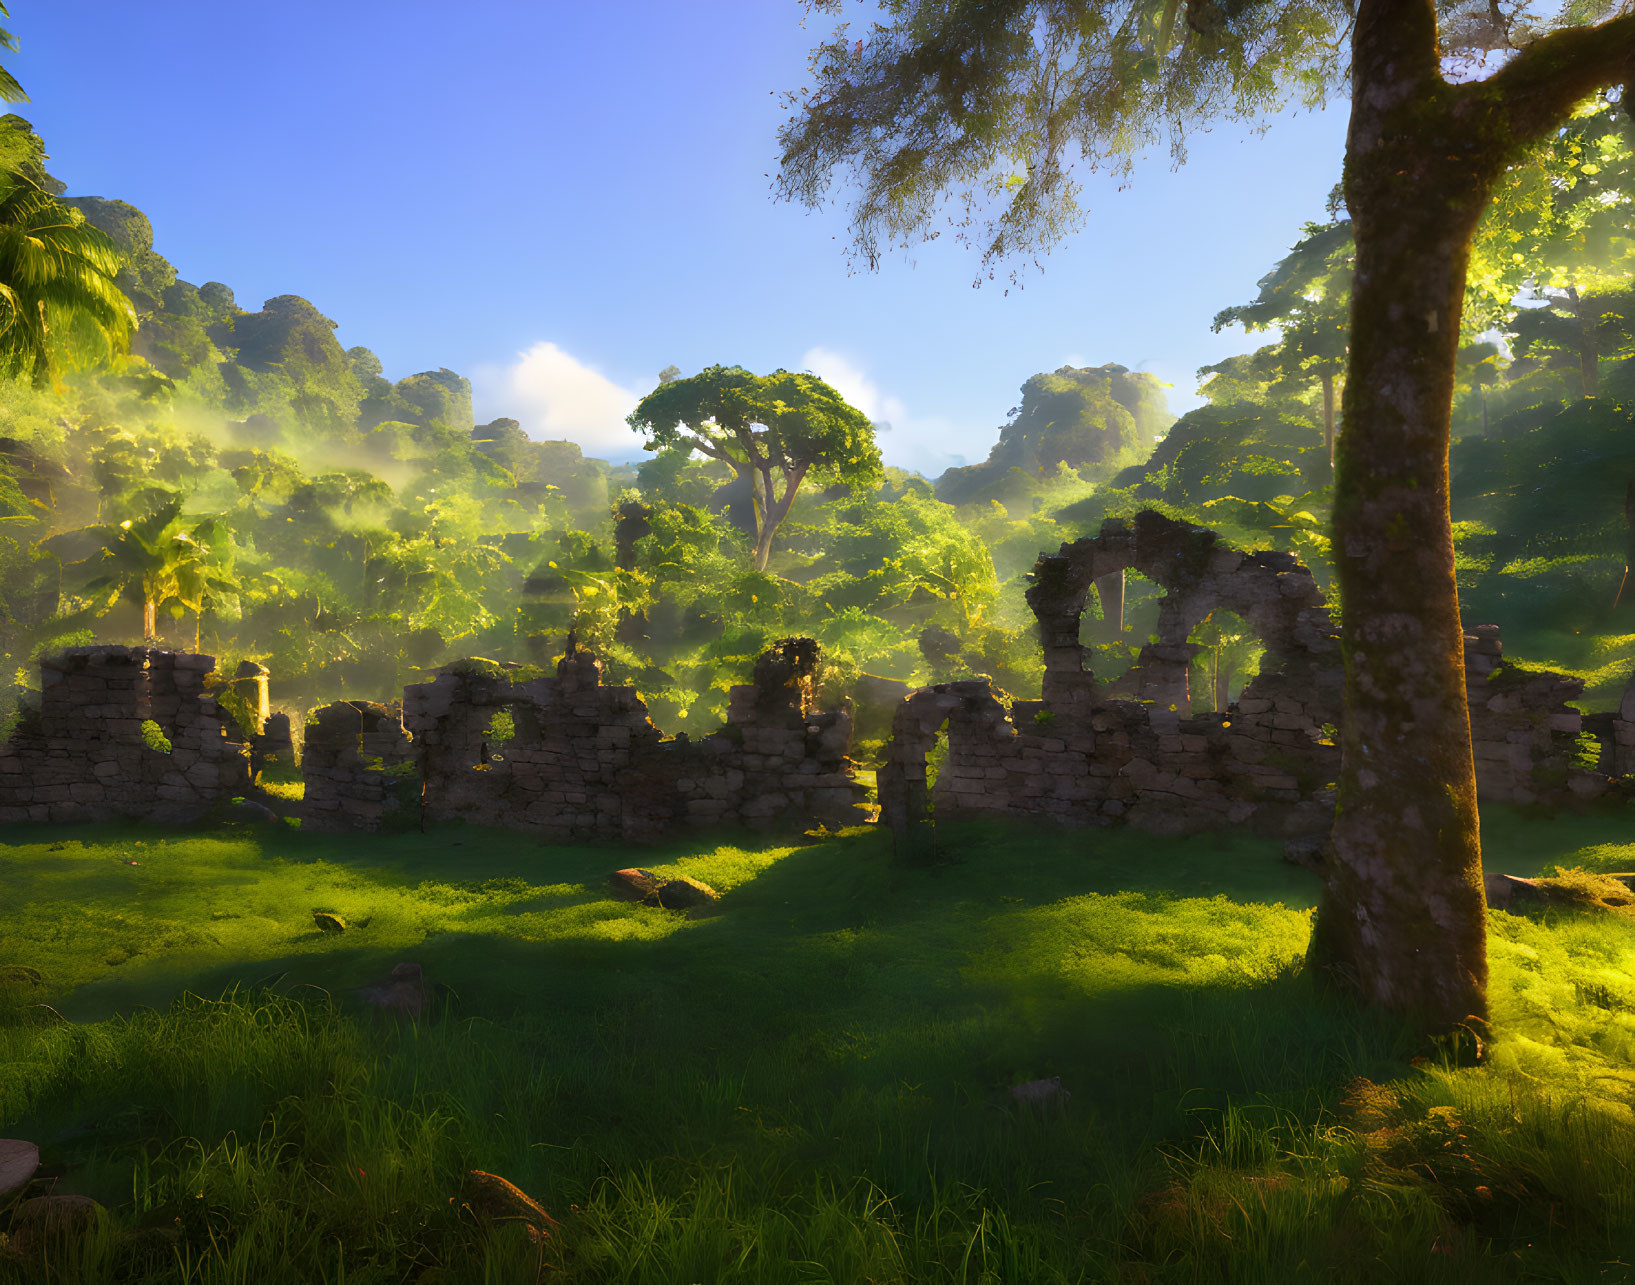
848, 379
913, 442
554, 395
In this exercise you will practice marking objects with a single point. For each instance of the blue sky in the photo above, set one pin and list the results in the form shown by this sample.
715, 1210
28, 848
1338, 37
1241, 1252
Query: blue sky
558, 200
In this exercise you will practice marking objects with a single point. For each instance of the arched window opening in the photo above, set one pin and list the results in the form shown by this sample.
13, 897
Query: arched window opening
496, 737
1228, 663
1122, 621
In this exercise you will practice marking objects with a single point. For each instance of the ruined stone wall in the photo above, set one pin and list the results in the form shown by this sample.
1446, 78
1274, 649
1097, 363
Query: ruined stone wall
359, 766
586, 762
1268, 762
82, 757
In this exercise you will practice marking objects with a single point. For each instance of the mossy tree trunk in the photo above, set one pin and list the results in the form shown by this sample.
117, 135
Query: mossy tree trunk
1403, 920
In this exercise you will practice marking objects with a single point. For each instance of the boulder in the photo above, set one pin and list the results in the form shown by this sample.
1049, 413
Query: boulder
18, 1161
490, 1198
46, 1225
1503, 889
682, 894
327, 922
634, 884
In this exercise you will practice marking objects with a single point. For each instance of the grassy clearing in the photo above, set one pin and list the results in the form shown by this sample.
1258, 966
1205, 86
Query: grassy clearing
811, 1084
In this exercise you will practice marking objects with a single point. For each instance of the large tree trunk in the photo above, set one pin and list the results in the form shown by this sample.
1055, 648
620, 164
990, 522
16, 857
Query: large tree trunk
1403, 919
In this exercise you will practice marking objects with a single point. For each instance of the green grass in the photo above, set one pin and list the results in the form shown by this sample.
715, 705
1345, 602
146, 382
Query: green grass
807, 1085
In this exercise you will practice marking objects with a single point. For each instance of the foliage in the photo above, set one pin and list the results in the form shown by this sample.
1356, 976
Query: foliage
1307, 297
59, 304
781, 426
1091, 420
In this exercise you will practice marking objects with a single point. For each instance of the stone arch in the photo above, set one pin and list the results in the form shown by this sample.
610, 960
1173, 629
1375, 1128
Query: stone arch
1273, 592
973, 715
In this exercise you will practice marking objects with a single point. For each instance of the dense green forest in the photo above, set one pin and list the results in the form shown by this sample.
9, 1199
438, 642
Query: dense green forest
234, 480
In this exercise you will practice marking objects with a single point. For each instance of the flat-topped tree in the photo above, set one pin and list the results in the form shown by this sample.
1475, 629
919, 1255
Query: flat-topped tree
995, 100
773, 431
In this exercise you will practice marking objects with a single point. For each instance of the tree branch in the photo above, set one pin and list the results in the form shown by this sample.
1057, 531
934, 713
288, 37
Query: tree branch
1540, 85
704, 446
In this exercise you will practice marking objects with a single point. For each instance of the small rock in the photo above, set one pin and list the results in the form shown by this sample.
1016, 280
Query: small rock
682, 894
250, 810
18, 1161
1503, 889
634, 884
327, 922
402, 991
1041, 1095
46, 1224
490, 1198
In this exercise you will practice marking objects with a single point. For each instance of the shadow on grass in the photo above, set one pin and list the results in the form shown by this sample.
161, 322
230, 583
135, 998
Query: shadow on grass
832, 1048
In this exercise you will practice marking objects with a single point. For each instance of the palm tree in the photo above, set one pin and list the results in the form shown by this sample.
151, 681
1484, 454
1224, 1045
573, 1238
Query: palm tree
10, 90
157, 560
57, 293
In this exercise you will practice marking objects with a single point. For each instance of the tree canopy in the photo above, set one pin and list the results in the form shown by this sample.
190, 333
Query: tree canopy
771, 430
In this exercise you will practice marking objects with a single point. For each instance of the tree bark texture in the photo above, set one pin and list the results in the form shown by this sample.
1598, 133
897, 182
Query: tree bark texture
1403, 917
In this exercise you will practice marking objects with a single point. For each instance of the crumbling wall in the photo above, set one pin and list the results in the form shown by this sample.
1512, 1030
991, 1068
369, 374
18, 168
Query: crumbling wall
358, 766
82, 756
1269, 761
584, 761
1524, 734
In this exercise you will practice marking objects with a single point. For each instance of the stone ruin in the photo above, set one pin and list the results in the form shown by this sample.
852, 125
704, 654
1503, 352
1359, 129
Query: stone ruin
582, 760
95, 749
1269, 761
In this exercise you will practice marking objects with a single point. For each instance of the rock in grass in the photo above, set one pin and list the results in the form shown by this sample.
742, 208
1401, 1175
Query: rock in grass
634, 884
1574, 888
683, 894
47, 1225
250, 810
402, 991
1041, 1095
18, 1161
327, 922
490, 1198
